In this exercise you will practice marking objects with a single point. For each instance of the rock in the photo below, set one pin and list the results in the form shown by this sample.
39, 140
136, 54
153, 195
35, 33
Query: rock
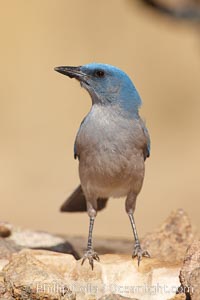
190, 272
7, 297
171, 240
179, 297
34, 239
115, 297
26, 238
35, 274
2, 286
26, 277
62, 263
5, 229
7, 248
119, 274
195, 284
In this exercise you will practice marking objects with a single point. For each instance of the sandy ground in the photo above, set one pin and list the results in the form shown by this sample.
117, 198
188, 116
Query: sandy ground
41, 110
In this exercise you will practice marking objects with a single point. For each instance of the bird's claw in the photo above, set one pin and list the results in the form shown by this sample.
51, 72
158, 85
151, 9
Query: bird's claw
139, 253
91, 255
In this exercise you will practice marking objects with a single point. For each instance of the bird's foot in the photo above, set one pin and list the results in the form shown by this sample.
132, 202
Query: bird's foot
91, 255
139, 253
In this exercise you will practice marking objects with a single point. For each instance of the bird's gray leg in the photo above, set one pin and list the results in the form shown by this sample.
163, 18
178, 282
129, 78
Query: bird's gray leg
130, 208
90, 254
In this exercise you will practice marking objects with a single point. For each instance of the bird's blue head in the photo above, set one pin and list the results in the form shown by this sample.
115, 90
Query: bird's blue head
106, 84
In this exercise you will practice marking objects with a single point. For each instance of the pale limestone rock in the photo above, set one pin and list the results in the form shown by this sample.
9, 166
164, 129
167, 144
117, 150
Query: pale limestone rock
34, 239
3, 263
115, 275
179, 297
171, 240
7, 298
118, 274
27, 238
60, 262
29, 271
7, 248
115, 297
190, 272
28, 278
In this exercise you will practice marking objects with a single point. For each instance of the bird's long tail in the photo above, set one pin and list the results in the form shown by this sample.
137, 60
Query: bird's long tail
76, 202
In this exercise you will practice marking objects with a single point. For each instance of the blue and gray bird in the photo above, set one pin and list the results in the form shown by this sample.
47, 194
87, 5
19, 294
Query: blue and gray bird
111, 145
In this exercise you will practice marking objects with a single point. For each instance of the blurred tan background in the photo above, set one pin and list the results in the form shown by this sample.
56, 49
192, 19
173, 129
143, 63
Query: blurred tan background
41, 110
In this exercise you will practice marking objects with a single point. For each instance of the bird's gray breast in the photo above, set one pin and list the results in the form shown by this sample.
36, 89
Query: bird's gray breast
109, 151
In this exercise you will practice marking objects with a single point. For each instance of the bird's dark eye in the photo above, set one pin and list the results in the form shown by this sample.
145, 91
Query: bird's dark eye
99, 73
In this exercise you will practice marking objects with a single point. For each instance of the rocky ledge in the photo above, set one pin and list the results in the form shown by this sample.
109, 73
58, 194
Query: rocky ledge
39, 265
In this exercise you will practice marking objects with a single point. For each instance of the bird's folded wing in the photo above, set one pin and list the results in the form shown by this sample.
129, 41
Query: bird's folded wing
147, 145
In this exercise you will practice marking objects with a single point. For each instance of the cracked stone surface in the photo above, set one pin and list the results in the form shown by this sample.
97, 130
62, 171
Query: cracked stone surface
37, 272
26, 277
190, 271
24, 272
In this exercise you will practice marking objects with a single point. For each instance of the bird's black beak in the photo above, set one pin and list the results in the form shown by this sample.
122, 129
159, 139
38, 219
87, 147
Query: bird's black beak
72, 72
